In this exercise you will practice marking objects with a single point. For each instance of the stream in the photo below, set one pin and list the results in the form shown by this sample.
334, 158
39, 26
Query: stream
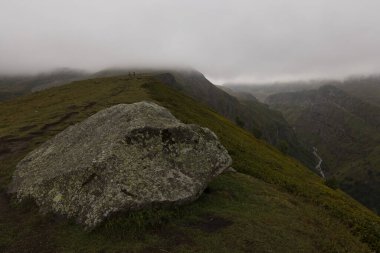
318, 166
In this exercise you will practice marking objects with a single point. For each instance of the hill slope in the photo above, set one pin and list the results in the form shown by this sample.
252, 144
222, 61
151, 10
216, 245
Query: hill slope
346, 132
245, 111
274, 204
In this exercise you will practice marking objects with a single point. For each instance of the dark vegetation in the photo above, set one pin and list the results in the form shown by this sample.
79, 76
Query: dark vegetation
332, 183
273, 203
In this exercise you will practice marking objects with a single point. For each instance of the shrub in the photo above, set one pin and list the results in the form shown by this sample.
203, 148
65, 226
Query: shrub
332, 183
239, 122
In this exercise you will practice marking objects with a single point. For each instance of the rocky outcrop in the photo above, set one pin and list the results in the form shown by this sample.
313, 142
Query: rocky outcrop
126, 157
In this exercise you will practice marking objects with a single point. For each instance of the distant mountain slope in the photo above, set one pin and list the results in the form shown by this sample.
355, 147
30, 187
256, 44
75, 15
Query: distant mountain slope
346, 131
13, 86
247, 112
366, 88
242, 96
262, 91
273, 203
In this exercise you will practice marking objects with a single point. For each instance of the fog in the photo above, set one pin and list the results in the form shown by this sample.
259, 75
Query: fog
229, 41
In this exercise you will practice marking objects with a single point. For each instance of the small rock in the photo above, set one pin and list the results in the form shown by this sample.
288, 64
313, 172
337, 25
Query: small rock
230, 169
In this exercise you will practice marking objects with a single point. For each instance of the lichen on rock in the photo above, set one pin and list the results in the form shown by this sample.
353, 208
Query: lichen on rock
126, 157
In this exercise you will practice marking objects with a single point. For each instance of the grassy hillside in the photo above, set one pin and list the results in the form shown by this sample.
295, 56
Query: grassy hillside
346, 132
274, 204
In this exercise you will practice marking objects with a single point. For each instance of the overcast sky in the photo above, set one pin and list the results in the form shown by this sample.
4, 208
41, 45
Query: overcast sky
248, 41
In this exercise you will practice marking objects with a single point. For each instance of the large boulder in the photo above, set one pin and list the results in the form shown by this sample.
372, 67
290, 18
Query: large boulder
126, 157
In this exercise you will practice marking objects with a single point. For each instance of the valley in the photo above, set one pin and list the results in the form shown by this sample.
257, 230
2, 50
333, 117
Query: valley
343, 126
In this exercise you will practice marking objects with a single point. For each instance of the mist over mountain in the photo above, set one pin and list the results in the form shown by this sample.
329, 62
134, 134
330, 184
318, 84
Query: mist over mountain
249, 41
15, 85
366, 87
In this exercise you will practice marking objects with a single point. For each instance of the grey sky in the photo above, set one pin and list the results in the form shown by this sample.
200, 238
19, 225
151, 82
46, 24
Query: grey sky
227, 40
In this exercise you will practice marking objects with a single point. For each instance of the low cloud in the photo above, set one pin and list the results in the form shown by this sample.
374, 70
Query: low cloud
240, 41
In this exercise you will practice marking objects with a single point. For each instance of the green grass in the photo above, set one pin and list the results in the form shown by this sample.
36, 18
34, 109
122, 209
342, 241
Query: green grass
274, 204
